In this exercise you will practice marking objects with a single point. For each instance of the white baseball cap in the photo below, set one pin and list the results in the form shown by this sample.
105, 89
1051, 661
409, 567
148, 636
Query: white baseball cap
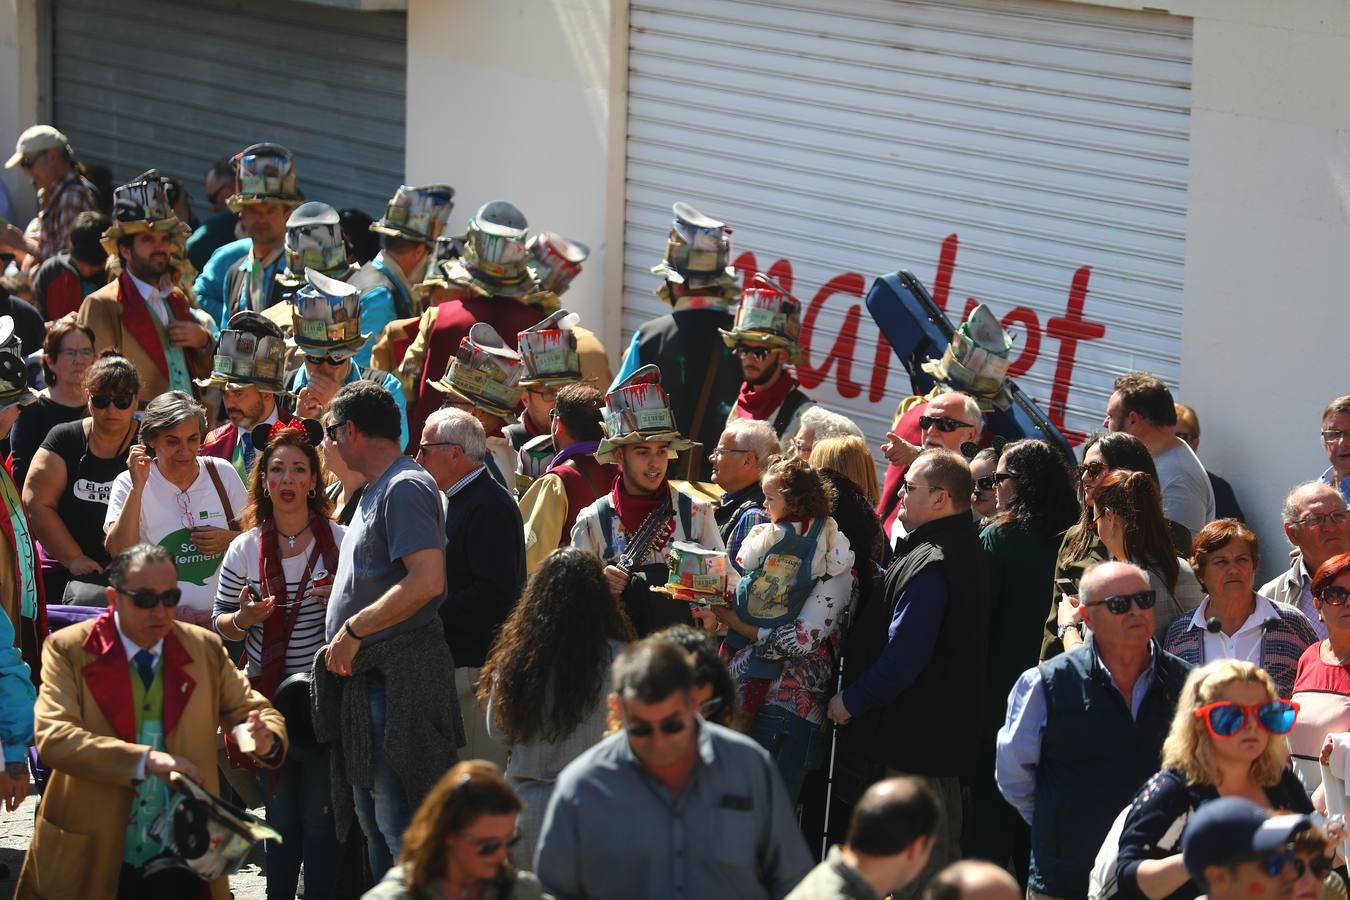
34, 140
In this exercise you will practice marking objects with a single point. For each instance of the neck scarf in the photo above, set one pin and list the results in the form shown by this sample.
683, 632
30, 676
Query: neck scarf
633, 509
753, 404
277, 629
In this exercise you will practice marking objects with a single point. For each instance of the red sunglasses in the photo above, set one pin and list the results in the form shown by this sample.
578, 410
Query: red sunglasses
1225, 718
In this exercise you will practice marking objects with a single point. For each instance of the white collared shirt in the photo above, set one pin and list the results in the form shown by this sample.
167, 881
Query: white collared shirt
270, 420
1245, 643
153, 298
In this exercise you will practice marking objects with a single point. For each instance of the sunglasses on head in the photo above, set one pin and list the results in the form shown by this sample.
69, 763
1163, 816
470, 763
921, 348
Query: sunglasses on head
1120, 604
121, 401
1334, 595
1226, 718
944, 424
668, 726
1091, 470
759, 352
148, 599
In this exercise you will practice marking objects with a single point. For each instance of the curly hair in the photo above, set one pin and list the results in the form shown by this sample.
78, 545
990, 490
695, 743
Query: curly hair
470, 789
259, 507
554, 645
1135, 497
805, 493
1045, 501
1188, 748
1120, 452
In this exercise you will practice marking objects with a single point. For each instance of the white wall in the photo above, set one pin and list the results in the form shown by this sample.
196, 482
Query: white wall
509, 99
18, 96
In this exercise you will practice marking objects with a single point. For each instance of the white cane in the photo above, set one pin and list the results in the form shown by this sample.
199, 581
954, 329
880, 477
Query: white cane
834, 743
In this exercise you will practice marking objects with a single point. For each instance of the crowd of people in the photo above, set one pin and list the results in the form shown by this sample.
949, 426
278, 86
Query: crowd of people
350, 522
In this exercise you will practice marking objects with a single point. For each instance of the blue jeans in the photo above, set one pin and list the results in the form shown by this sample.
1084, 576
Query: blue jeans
301, 809
382, 809
796, 745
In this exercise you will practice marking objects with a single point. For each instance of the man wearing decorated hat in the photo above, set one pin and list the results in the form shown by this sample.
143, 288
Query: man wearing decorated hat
45, 156
327, 332
21, 585
764, 338
413, 219
143, 315
248, 369
632, 527
483, 379
699, 284
549, 351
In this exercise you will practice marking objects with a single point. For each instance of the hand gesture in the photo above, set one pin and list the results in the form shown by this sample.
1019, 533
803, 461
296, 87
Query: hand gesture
138, 464
263, 738
12, 237
618, 580
898, 451
189, 335
1068, 612
212, 540
253, 609
157, 762
320, 385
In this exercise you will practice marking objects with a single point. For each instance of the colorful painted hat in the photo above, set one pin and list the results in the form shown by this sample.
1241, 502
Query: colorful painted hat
205, 834
327, 317
555, 261
697, 574
549, 350
264, 173
448, 247
417, 213
698, 256
638, 411
484, 372
14, 380
314, 241
767, 314
9, 338
495, 261
976, 361
142, 204
251, 351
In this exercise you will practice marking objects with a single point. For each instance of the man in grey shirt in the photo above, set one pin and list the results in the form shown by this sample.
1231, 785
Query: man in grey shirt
389, 584
672, 806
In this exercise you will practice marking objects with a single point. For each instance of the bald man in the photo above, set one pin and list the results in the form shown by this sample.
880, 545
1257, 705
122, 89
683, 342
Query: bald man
973, 879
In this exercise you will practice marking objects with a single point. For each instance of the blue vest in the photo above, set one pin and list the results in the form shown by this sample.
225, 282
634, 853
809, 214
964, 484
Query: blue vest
1094, 757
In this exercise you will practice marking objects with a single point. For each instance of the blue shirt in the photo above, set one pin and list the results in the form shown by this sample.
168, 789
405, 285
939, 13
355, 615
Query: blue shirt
1329, 477
16, 697
910, 640
210, 284
387, 381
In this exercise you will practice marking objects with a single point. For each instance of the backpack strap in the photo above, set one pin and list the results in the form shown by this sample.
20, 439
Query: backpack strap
685, 504
606, 516
794, 401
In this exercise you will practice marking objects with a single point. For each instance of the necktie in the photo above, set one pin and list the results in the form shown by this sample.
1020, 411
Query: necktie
248, 450
145, 665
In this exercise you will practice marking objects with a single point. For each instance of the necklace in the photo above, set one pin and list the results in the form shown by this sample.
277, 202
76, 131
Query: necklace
290, 538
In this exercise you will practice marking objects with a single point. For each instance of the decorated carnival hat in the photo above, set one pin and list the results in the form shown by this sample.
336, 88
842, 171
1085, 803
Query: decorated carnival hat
251, 351
976, 361
417, 213
767, 314
638, 411
264, 173
496, 260
9, 338
203, 833
448, 247
314, 241
549, 350
327, 317
142, 204
14, 379
484, 372
555, 261
698, 256
697, 574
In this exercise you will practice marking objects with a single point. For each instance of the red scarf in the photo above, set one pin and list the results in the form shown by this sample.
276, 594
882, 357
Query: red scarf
277, 629
138, 319
633, 509
753, 404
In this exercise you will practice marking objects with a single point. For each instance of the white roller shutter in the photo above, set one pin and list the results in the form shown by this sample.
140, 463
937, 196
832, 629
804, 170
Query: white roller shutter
177, 84
1034, 152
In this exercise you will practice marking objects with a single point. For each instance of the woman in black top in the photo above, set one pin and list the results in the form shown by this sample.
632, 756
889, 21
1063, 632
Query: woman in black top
68, 352
71, 477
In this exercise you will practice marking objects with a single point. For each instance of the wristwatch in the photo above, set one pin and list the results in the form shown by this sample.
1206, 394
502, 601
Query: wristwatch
1076, 626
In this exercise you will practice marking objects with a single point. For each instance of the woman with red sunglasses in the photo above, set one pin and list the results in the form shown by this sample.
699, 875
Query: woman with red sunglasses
1228, 739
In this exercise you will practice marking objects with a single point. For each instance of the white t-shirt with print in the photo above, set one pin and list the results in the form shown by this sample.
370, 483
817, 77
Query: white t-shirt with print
168, 515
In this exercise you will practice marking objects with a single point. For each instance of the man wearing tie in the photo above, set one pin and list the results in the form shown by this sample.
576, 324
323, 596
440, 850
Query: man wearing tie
248, 369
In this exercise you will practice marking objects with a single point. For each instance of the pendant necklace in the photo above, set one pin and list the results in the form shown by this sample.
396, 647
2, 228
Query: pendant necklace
290, 538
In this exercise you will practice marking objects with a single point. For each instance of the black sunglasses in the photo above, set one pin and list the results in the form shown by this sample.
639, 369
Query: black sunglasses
984, 484
147, 599
669, 726
121, 401
1320, 867
489, 846
944, 424
758, 352
1000, 477
331, 361
1120, 604
1334, 595
28, 162
1091, 470
331, 431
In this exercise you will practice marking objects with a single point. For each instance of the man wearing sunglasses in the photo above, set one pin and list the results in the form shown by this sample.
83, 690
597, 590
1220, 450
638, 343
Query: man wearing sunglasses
671, 805
1096, 715
126, 696
764, 339
46, 158
254, 345
1317, 523
1235, 850
945, 421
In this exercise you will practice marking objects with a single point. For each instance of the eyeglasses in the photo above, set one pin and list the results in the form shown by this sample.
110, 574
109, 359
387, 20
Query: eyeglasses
1334, 435
542, 391
74, 353
1000, 477
1091, 470
1119, 605
332, 431
668, 726
101, 401
1226, 718
759, 352
1273, 863
906, 485
984, 484
148, 599
422, 448
331, 361
1320, 867
1334, 595
28, 162
722, 451
944, 424
1314, 521
489, 846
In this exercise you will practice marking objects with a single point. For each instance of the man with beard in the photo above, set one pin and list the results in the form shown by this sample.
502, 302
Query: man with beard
248, 370
143, 315
764, 338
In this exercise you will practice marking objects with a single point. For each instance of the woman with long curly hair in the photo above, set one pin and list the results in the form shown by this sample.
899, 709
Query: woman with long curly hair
459, 842
1227, 740
547, 676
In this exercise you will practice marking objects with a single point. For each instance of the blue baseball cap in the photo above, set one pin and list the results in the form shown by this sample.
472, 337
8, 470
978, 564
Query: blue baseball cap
1230, 829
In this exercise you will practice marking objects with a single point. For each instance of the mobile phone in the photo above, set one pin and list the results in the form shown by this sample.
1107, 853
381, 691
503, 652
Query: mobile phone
1066, 587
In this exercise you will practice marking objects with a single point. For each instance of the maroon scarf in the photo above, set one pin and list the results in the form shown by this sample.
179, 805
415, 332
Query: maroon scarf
277, 629
632, 509
753, 404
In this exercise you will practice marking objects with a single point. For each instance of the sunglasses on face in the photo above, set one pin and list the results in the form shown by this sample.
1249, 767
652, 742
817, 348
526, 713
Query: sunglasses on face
147, 599
1320, 867
1334, 595
1091, 470
1119, 605
331, 361
760, 353
1000, 477
984, 484
1225, 718
944, 424
28, 162
1274, 863
332, 431
668, 726
121, 401
489, 846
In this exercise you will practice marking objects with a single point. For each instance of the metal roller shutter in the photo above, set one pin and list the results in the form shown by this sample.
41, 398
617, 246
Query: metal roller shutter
1029, 154
177, 84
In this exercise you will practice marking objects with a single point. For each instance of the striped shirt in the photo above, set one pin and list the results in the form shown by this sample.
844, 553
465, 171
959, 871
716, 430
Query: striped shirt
240, 566
57, 208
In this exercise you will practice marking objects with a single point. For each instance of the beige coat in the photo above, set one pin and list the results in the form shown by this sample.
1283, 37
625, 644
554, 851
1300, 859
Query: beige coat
84, 725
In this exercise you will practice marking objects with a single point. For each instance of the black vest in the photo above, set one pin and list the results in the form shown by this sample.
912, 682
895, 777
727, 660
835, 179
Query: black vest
728, 514
932, 727
1094, 758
